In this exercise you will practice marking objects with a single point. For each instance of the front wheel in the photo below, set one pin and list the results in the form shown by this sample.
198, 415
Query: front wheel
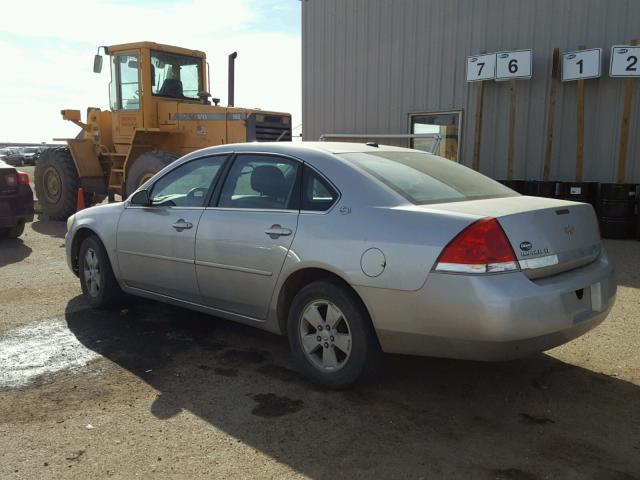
331, 336
99, 285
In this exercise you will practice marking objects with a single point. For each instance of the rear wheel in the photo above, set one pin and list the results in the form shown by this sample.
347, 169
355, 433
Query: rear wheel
331, 336
14, 232
146, 166
57, 181
99, 285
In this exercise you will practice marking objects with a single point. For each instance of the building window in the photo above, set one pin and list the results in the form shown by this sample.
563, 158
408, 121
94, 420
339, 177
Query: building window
443, 130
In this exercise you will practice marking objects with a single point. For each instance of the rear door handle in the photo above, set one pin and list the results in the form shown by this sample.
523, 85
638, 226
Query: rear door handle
181, 225
276, 231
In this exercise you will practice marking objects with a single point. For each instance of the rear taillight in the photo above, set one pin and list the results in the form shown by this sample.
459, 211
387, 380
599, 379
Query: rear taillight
11, 180
23, 178
482, 247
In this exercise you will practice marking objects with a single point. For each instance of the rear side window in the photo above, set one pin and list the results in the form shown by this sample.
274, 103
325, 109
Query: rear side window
261, 182
317, 194
423, 178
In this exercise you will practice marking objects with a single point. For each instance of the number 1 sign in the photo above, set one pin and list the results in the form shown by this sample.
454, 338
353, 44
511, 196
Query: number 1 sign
481, 67
625, 61
581, 64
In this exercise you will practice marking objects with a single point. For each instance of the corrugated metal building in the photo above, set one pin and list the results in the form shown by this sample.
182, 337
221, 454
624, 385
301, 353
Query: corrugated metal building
398, 66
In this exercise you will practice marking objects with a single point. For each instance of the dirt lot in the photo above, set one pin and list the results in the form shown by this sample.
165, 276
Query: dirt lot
156, 391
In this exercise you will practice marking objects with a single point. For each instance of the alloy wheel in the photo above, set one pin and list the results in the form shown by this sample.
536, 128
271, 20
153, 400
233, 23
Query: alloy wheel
92, 273
325, 336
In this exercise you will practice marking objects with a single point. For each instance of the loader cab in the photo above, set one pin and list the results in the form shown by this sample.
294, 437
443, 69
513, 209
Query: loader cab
148, 81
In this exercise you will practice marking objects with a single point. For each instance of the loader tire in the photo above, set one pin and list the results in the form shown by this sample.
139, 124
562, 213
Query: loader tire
145, 166
56, 180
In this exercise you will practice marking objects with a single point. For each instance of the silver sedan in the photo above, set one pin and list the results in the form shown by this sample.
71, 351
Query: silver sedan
351, 250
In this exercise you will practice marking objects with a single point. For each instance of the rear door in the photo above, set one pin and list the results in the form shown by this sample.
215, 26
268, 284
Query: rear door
156, 244
244, 238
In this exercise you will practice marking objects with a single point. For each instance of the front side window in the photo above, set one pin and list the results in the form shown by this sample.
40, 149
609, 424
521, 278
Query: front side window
175, 76
261, 182
187, 185
125, 83
422, 178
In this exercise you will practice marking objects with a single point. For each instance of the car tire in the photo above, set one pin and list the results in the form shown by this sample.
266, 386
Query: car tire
341, 355
16, 231
99, 285
145, 166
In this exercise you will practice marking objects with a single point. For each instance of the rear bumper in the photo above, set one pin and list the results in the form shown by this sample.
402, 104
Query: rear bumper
16, 209
492, 317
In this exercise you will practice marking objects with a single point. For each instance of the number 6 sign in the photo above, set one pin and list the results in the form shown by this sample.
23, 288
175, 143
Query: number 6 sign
625, 61
515, 65
481, 67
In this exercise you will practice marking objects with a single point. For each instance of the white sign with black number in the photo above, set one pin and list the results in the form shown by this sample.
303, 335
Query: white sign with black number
481, 67
581, 64
515, 65
625, 61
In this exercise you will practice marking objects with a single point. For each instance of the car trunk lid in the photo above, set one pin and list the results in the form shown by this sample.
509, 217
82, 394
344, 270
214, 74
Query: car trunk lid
548, 236
8, 180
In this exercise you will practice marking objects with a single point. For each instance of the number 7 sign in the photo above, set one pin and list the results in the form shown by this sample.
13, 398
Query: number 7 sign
481, 67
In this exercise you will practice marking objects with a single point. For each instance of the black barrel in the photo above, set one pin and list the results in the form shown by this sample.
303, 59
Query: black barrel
517, 185
543, 189
586, 192
617, 206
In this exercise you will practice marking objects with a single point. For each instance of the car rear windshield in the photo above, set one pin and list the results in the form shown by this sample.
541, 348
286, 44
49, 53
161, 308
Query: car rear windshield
423, 178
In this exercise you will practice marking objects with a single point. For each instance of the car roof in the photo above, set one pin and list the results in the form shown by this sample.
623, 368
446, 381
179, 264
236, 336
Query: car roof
298, 148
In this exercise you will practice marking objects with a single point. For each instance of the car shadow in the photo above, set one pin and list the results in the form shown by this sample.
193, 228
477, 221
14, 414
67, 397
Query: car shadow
528, 419
626, 256
13, 250
52, 228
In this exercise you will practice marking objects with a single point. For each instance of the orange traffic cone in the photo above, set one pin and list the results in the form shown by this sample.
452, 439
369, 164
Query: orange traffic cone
80, 204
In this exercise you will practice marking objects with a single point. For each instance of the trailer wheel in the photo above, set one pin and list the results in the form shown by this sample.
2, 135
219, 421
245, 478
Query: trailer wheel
146, 166
56, 180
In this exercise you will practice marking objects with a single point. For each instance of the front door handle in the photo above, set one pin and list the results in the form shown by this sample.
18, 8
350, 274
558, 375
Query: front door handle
276, 231
181, 225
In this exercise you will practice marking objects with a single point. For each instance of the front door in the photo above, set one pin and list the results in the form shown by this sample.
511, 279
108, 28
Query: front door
156, 244
125, 96
243, 240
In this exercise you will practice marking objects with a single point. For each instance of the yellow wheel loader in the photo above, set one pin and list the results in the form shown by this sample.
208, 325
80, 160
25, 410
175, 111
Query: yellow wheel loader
159, 111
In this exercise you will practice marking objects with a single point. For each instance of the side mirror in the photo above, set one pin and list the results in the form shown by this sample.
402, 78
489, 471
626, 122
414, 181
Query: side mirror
141, 198
97, 64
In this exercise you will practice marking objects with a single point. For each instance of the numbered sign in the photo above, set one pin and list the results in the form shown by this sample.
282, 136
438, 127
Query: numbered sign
625, 61
481, 67
514, 65
581, 64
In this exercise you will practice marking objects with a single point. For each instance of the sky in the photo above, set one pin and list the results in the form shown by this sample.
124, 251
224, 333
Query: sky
47, 49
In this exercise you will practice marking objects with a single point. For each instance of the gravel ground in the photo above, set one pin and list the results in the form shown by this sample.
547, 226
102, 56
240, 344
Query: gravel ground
153, 390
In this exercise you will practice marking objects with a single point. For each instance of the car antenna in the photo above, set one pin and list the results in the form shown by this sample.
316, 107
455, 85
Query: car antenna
372, 144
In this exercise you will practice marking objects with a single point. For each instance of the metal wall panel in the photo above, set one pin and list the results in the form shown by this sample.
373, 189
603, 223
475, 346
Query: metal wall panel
368, 64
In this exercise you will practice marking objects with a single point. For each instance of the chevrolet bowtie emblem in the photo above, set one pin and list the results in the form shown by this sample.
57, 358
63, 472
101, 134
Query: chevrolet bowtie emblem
569, 230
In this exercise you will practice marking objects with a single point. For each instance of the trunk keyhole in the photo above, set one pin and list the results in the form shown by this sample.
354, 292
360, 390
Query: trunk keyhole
580, 293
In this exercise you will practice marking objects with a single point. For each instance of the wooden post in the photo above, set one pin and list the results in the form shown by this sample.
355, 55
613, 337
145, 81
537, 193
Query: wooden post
478, 132
580, 128
551, 114
624, 134
512, 131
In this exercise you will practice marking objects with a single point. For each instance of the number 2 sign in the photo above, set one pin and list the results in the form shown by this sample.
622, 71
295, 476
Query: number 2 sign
481, 67
514, 65
625, 61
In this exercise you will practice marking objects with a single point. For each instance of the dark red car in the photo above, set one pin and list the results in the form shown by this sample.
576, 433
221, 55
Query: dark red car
16, 201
